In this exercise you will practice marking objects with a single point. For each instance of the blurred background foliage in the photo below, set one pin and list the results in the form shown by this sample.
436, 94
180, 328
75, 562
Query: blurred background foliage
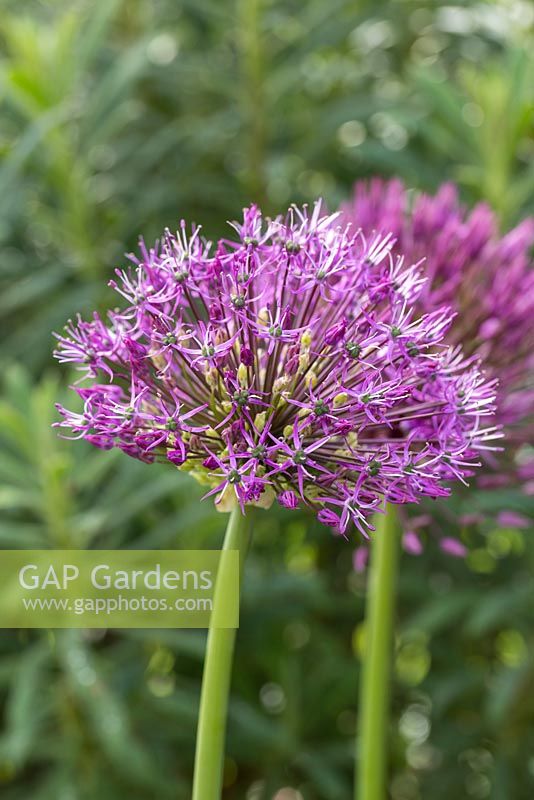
121, 117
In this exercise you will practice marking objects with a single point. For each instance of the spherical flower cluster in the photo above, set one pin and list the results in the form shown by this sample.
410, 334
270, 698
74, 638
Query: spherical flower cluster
486, 278
488, 281
288, 362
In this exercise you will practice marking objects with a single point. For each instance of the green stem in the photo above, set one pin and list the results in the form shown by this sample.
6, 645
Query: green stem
253, 97
209, 756
372, 757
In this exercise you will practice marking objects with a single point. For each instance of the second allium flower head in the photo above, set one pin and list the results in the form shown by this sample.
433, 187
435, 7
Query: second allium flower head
289, 361
486, 277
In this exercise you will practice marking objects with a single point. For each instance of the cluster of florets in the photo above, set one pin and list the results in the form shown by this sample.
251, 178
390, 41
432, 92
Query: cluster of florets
288, 363
485, 277
488, 281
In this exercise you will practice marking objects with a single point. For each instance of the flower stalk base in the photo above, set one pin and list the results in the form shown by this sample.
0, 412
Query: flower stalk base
371, 756
209, 756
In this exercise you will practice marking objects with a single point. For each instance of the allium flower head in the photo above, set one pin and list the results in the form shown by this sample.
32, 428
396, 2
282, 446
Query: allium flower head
485, 277
288, 361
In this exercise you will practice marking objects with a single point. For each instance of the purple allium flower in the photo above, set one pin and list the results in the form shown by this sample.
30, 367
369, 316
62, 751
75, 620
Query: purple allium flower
288, 361
483, 276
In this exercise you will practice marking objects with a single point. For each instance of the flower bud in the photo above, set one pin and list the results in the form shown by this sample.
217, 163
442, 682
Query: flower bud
340, 399
259, 421
247, 357
242, 375
304, 361
288, 499
306, 339
281, 384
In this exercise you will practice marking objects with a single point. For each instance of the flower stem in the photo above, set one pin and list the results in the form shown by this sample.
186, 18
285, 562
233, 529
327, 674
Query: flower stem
209, 756
253, 101
371, 757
